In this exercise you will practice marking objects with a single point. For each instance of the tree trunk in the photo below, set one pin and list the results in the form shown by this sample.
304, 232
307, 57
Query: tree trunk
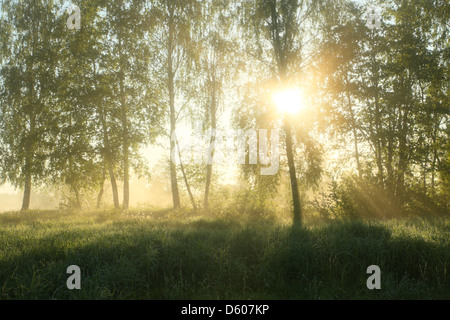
27, 190
107, 152
171, 87
390, 157
28, 168
433, 174
114, 187
207, 186
30, 145
100, 196
433, 164
126, 183
355, 135
292, 174
209, 165
108, 157
282, 69
126, 160
424, 179
77, 199
102, 190
125, 135
378, 144
402, 159
191, 196
358, 163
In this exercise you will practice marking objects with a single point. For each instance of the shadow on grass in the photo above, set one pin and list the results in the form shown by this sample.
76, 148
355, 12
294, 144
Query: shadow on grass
228, 260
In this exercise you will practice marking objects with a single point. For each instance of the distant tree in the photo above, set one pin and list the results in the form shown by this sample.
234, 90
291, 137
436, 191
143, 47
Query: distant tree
388, 87
129, 57
173, 38
217, 69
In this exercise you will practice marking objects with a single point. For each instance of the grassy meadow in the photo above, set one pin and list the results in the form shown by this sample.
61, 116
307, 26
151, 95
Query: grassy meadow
163, 255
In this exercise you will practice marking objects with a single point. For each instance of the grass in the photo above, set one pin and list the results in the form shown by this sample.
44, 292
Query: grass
146, 255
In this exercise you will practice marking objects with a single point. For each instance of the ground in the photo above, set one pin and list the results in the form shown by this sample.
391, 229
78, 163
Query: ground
150, 255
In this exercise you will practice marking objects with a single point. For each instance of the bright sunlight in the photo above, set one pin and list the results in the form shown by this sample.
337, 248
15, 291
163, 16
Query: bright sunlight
289, 101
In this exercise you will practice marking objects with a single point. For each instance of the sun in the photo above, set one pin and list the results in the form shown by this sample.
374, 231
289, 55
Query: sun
290, 101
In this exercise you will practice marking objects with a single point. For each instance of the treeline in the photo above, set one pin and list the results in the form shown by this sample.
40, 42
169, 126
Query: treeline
76, 106
388, 94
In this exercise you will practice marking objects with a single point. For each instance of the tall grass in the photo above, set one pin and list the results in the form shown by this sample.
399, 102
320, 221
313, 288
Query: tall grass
146, 255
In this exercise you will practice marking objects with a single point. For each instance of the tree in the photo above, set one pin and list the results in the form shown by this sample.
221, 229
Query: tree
175, 20
216, 70
76, 158
387, 86
129, 56
280, 25
30, 48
